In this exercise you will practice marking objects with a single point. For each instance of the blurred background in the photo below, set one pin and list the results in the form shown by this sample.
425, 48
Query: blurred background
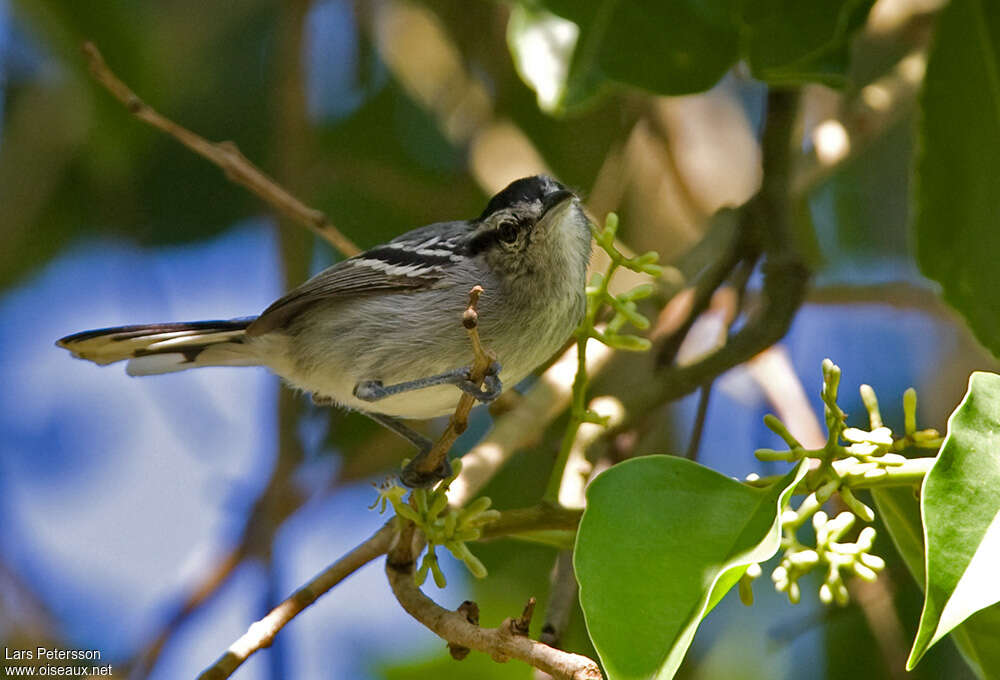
155, 519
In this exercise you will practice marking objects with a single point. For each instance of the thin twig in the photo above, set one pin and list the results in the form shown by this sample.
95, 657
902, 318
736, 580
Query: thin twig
507, 641
525, 423
226, 155
425, 466
699, 422
262, 632
562, 599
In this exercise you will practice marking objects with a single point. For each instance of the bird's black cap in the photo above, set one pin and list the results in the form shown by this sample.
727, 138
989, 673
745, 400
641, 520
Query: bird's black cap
524, 190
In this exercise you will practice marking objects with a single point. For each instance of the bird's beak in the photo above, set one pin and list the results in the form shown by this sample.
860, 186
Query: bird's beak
554, 205
554, 199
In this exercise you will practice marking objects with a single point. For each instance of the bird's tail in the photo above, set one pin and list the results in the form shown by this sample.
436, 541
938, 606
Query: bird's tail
166, 347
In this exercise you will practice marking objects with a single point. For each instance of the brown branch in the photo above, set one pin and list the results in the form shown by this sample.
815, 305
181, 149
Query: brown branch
425, 466
262, 633
507, 641
562, 599
225, 155
769, 215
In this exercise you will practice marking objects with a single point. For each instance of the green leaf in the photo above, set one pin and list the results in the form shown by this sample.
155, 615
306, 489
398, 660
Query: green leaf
660, 543
958, 169
976, 638
960, 506
794, 42
665, 46
566, 50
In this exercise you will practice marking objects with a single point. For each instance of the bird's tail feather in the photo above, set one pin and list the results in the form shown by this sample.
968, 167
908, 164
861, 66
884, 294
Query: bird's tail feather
166, 347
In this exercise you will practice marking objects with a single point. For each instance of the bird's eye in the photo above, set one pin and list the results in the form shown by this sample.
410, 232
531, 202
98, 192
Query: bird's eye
507, 231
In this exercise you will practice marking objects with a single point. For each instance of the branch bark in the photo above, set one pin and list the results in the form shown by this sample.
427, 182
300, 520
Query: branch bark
225, 155
426, 466
507, 641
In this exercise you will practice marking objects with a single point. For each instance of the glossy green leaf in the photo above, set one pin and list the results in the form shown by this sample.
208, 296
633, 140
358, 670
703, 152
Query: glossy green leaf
960, 507
660, 543
794, 42
958, 170
976, 638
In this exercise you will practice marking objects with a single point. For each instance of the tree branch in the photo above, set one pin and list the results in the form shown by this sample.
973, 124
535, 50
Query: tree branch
425, 466
226, 155
262, 633
508, 640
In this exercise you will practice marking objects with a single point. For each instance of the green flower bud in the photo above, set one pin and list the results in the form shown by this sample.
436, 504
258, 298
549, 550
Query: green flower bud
746, 590
871, 405
910, 411
825, 594
864, 572
794, 593
856, 506
873, 562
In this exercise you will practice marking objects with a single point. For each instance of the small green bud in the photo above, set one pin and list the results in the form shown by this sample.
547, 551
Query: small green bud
910, 411
628, 343
439, 503
420, 498
778, 427
794, 593
746, 590
857, 507
825, 594
873, 562
640, 292
439, 580
405, 511
840, 524
924, 435
804, 559
892, 459
819, 519
864, 573
753, 570
421, 575
468, 534
824, 492
484, 518
841, 595
871, 405
611, 225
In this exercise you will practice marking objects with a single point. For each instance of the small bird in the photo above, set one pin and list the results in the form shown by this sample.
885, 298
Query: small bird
381, 332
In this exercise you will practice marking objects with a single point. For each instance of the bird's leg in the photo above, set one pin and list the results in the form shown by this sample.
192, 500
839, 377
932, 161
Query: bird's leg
410, 477
374, 390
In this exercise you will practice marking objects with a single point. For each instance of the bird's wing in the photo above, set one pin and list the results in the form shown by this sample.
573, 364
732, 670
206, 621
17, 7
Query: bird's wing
416, 260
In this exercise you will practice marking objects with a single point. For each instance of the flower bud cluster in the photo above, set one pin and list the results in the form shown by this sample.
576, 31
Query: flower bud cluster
863, 455
623, 305
836, 557
441, 524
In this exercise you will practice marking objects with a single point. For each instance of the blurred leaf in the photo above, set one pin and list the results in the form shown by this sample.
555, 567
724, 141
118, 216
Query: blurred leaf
665, 46
99, 171
960, 506
566, 50
794, 42
660, 543
958, 169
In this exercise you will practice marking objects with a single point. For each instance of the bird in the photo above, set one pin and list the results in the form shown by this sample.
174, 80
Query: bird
381, 332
